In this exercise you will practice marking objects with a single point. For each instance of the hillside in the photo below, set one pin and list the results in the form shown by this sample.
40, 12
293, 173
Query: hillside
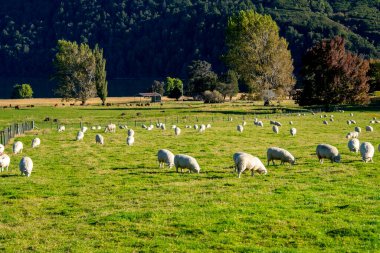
155, 38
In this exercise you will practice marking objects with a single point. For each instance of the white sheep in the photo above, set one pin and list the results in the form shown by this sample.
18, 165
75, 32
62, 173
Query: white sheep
352, 135
244, 123
348, 122
163, 127
369, 129
17, 147
80, 136
293, 131
61, 128
93, 128
4, 162
235, 157
202, 128
353, 145
131, 132
244, 161
240, 128
325, 122
150, 128
130, 140
351, 114
195, 126
281, 154
99, 139
84, 129
174, 126
329, 152
353, 121
164, 156
277, 123
332, 119
99, 128
275, 129
358, 129
260, 124
290, 122
367, 150
208, 126
110, 128
186, 162
177, 131
26, 166
36, 142
1, 148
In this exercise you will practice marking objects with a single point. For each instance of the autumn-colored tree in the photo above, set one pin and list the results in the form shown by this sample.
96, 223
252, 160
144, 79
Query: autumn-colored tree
331, 75
258, 54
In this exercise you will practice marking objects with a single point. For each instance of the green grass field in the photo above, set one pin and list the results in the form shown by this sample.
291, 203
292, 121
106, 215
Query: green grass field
83, 197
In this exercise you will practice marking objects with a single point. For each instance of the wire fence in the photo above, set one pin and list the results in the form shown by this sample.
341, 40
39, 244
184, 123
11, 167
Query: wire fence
15, 129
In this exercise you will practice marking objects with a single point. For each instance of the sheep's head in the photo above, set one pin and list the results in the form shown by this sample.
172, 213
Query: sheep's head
262, 170
336, 158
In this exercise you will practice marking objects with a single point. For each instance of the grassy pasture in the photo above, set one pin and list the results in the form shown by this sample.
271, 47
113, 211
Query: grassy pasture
83, 197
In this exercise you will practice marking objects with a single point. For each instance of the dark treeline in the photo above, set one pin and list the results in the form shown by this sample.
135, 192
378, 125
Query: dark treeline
143, 38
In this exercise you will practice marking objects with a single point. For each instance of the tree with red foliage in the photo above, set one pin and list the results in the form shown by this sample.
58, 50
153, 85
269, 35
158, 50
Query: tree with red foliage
331, 75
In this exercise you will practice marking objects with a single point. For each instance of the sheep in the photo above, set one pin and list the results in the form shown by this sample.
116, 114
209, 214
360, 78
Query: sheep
275, 129
293, 131
186, 162
325, 122
99, 128
110, 128
26, 166
351, 114
329, 152
99, 139
150, 128
277, 123
260, 124
195, 126
61, 129
358, 129
353, 121
367, 150
235, 157
353, 145
93, 128
80, 136
208, 126
36, 142
163, 127
177, 131
1, 149
275, 153
131, 132
17, 147
290, 122
348, 122
84, 129
369, 129
174, 126
202, 128
164, 156
240, 128
271, 122
244, 161
244, 123
130, 140
372, 122
352, 135
4, 162
332, 119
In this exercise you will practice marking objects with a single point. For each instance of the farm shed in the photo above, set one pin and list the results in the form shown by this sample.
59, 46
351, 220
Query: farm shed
154, 96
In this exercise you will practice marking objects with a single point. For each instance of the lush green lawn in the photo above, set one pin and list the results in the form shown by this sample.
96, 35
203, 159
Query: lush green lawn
84, 197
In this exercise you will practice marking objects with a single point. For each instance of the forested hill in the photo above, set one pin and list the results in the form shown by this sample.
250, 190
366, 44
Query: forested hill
145, 38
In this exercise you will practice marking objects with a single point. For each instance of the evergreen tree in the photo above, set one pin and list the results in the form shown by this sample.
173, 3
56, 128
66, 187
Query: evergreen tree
201, 78
100, 74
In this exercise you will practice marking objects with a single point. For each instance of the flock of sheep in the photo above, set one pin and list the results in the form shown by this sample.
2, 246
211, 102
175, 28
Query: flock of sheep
243, 161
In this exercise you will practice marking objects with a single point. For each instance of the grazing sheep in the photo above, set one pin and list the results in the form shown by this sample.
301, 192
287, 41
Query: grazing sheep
163, 127
208, 126
164, 156
271, 122
202, 128
36, 142
358, 129
150, 128
283, 155
352, 135
84, 129
61, 129
80, 135
353, 145
174, 126
130, 140
240, 128
275, 129
321, 116
293, 131
348, 122
367, 150
177, 131
17, 147
244, 161
235, 157
325, 122
332, 119
26, 166
351, 114
260, 124
372, 122
93, 128
99, 128
110, 128
277, 123
4, 162
329, 152
369, 129
244, 123
186, 162
195, 127
1, 148
353, 121
290, 122
99, 139
131, 132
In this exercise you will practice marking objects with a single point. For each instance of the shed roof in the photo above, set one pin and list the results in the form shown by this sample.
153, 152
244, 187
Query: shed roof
150, 94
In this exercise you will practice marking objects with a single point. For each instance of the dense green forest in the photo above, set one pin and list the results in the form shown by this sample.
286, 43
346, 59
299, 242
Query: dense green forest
159, 38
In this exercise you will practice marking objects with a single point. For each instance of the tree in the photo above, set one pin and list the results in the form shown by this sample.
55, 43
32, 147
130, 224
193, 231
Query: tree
374, 75
257, 53
101, 83
176, 93
201, 77
22, 91
75, 71
229, 85
158, 87
212, 97
172, 83
333, 76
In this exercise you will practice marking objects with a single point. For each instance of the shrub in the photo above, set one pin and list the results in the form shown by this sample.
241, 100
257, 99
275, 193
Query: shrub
213, 97
22, 91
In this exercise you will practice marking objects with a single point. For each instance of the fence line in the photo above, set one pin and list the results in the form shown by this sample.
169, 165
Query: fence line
14, 130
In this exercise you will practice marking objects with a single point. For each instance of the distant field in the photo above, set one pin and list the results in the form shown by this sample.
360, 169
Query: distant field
82, 197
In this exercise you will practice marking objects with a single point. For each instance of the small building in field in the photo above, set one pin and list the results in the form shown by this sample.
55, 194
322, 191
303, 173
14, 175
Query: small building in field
154, 96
